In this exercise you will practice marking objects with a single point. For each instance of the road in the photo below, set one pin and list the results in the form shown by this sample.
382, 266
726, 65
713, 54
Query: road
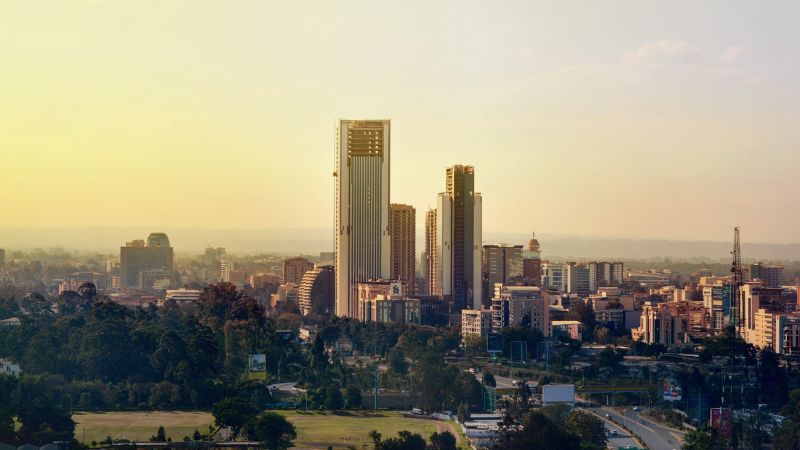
655, 435
620, 439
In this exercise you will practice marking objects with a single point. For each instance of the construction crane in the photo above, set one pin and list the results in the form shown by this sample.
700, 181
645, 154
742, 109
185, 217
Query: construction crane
737, 281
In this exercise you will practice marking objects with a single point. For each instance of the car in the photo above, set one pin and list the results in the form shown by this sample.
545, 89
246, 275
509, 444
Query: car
614, 432
471, 370
636, 408
608, 416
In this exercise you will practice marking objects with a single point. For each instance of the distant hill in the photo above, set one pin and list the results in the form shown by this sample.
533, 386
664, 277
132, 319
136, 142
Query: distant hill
315, 240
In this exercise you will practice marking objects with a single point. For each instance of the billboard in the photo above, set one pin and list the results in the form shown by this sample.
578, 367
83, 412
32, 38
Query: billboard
494, 343
257, 367
672, 391
558, 393
721, 420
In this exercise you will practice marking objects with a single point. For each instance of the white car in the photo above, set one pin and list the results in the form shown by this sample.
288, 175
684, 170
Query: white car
637, 409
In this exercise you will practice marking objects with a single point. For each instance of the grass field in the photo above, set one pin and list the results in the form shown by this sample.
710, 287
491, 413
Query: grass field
315, 430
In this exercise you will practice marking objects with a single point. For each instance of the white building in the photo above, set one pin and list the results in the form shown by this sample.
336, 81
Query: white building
554, 276
362, 208
9, 368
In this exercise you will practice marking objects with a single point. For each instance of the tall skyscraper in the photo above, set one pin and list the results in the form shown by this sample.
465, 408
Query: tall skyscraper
431, 269
402, 226
459, 230
294, 268
362, 208
137, 257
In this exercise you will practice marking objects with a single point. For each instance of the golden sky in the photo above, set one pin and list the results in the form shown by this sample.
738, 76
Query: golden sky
641, 119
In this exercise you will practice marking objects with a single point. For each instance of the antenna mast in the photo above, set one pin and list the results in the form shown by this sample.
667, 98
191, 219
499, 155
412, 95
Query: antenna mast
738, 280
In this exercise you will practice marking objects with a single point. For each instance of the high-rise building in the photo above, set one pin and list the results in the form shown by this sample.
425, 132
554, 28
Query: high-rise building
532, 262
578, 279
459, 247
136, 257
2, 257
770, 274
431, 269
402, 226
362, 208
294, 268
501, 263
554, 276
316, 294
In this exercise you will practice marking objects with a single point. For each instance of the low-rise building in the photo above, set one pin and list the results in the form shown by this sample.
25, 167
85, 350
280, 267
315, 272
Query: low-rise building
569, 328
475, 322
7, 367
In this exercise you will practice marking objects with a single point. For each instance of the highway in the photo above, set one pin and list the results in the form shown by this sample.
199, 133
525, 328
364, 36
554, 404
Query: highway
620, 439
656, 436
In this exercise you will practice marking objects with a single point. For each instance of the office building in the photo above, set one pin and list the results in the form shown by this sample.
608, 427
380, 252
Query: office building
287, 292
459, 233
402, 226
578, 281
2, 257
554, 276
137, 257
431, 262
661, 323
385, 301
717, 301
501, 264
475, 322
294, 268
317, 289
770, 274
532, 262
514, 306
361, 209
262, 280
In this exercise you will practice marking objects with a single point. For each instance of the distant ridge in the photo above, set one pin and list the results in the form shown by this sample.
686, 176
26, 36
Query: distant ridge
315, 240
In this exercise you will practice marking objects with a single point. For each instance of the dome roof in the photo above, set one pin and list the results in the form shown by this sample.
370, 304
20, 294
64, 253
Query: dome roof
157, 240
533, 244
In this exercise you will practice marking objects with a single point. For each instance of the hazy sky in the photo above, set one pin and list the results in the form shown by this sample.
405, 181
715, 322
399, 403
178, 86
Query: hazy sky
676, 119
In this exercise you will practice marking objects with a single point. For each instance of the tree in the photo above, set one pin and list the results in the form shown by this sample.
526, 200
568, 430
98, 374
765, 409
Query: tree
787, 437
333, 398
442, 441
161, 435
698, 440
405, 440
589, 428
274, 431
537, 433
354, 399
234, 413
397, 361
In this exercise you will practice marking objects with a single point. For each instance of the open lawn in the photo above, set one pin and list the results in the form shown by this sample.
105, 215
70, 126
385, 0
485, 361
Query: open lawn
315, 429
139, 426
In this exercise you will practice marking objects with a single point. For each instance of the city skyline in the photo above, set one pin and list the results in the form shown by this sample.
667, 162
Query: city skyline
663, 116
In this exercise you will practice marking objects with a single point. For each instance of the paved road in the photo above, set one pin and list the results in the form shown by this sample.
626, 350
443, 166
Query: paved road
656, 436
620, 439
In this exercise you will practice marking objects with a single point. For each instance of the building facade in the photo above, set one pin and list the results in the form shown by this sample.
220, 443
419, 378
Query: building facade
430, 256
501, 263
402, 226
459, 229
295, 268
361, 209
139, 256
316, 293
